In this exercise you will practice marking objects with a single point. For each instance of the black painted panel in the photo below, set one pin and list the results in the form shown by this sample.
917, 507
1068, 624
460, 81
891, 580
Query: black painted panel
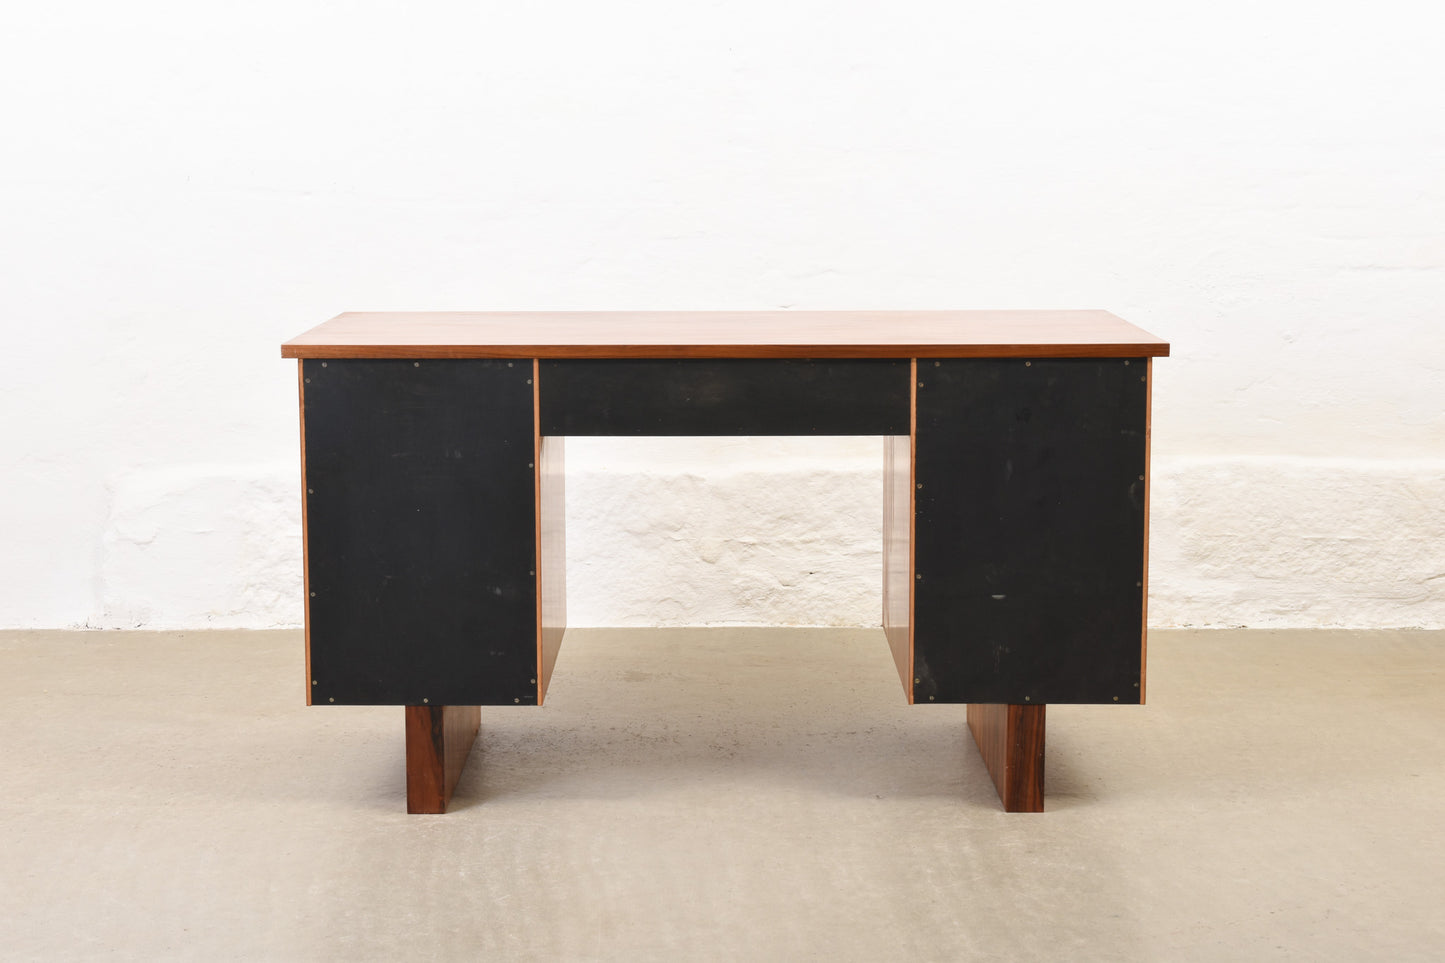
1029, 530
724, 397
420, 532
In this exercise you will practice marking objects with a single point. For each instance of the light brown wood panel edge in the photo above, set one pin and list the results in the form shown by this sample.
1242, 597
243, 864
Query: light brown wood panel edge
305, 557
896, 552
912, 517
914, 351
552, 553
1148, 482
539, 680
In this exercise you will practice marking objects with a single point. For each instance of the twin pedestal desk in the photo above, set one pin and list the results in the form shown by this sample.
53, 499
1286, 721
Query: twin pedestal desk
1015, 502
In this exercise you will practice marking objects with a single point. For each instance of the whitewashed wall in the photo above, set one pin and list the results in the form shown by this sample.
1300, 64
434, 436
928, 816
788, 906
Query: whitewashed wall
185, 185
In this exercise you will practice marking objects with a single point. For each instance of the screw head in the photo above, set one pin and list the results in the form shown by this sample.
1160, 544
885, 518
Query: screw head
516, 700
313, 681
313, 595
323, 364
331, 700
425, 701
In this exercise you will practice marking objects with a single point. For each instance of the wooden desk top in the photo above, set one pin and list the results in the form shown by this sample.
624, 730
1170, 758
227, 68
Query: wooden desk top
726, 334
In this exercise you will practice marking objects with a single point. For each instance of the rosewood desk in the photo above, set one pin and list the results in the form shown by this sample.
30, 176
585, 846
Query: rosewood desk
1016, 498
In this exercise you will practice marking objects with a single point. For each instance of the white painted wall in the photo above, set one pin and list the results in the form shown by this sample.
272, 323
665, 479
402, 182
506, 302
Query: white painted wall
185, 185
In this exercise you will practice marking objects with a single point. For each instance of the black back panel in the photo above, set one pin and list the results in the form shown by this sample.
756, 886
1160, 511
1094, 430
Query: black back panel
420, 532
731, 396
1029, 530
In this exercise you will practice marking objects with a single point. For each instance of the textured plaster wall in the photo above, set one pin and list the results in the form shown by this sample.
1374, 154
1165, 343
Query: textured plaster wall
183, 186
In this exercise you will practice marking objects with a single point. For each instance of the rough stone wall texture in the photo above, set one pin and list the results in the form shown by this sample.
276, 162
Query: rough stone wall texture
683, 534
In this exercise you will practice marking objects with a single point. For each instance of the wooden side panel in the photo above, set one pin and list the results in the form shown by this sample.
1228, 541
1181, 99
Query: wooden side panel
1144, 580
1011, 740
552, 571
898, 555
438, 741
305, 569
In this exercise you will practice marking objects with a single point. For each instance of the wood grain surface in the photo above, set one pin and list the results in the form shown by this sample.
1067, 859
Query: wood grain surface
726, 334
1011, 740
551, 557
438, 741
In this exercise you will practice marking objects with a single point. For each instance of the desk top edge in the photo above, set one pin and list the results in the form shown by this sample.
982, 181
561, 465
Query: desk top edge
726, 334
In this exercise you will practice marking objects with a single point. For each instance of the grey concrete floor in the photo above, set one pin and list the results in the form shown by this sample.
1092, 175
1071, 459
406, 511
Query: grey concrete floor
722, 794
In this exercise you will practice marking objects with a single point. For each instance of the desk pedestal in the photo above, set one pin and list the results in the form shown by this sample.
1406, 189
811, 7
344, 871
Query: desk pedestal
438, 741
1011, 740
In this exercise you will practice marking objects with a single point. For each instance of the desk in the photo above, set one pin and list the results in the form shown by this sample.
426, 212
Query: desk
1016, 498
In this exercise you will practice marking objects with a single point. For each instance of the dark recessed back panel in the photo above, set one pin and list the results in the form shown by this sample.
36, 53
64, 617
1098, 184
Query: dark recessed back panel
1029, 530
724, 397
420, 532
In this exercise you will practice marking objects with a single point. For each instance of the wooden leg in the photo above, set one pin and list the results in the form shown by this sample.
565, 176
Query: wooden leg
1011, 740
438, 739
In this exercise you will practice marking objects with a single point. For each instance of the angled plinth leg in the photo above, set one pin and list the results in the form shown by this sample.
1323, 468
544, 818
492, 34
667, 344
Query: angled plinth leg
1011, 740
438, 739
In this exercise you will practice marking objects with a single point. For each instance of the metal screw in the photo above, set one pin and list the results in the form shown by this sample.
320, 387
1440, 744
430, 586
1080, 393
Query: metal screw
1026, 698
425, 701
310, 491
1126, 362
530, 465
313, 595
1141, 378
331, 700
918, 576
313, 681
509, 364
930, 698
937, 363
308, 381
1141, 477
917, 681
1136, 685
920, 484
516, 700
920, 384
1028, 364
534, 681
416, 364
323, 364
1116, 698
532, 573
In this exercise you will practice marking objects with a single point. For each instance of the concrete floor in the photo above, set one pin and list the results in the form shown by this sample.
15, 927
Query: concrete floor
722, 794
